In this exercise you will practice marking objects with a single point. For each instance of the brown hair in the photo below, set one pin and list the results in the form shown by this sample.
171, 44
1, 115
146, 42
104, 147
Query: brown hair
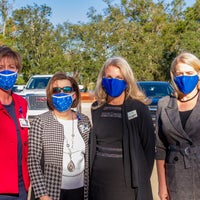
6, 51
62, 76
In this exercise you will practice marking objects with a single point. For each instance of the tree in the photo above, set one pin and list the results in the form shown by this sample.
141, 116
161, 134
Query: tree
5, 8
148, 34
37, 41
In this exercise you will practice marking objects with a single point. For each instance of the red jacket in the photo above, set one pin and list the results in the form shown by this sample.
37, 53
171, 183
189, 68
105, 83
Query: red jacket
8, 148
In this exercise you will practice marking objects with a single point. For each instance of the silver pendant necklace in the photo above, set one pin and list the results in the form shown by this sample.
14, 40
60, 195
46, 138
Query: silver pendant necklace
71, 165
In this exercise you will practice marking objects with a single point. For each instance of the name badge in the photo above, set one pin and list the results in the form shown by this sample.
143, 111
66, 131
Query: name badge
24, 123
84, 128
132, 114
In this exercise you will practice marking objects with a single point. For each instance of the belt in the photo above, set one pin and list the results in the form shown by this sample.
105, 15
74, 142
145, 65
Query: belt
188, 153
108, 152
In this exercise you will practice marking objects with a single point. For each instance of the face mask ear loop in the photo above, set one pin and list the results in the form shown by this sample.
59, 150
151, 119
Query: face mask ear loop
198, 84
73, 95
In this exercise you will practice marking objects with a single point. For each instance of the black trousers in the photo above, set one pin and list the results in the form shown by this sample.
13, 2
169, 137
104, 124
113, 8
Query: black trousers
75, 194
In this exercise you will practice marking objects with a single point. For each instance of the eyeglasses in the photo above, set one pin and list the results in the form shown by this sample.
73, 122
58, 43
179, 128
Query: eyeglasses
66, 89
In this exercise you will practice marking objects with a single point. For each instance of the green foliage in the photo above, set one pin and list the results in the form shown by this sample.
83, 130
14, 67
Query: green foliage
36, 40
20, 80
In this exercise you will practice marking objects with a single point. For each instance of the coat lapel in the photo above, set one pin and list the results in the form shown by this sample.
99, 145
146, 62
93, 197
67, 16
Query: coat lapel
193, 120
174, 118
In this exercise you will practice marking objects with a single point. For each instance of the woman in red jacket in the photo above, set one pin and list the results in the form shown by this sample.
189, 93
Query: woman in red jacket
14, 179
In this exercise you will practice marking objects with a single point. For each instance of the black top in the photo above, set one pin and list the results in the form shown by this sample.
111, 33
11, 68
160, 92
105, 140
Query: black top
108, 180
184, 116
109, 131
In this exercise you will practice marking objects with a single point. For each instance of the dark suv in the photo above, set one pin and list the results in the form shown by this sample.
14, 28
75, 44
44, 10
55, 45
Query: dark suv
155, 90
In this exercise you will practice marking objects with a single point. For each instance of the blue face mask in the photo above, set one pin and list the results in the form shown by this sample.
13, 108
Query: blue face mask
186, 84
7, 79
62, 101
113, 87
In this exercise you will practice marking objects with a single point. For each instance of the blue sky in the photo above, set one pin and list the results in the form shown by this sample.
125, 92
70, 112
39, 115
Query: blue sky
66, 10
71, 11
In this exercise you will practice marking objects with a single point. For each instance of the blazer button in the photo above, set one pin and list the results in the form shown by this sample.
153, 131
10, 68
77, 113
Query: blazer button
25, 143
176, 158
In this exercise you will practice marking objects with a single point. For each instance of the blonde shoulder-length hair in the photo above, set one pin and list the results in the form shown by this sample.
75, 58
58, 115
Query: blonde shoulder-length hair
185, 58
132, 90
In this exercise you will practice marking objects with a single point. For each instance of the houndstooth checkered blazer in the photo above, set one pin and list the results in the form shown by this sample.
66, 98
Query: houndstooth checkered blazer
46, 138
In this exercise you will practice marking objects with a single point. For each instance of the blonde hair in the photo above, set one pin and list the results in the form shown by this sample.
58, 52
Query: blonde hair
185, 58
132, 89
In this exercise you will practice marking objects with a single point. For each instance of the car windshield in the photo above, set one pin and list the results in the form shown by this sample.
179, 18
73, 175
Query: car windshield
38, 83
156, 90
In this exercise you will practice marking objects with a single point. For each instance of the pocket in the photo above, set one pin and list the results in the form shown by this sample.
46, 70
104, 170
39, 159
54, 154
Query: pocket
171, 177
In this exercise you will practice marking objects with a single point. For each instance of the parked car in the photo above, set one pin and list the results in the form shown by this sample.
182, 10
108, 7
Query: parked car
35, 94
155, 90
18, 88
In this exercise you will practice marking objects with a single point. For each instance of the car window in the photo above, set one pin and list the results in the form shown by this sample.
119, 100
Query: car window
38, 83
15, 88
157, 90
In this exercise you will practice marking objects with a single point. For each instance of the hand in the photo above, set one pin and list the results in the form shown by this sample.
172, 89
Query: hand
45, 197
163, 194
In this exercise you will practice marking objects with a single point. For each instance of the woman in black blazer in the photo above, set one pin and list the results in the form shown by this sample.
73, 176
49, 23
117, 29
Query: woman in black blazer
122, 141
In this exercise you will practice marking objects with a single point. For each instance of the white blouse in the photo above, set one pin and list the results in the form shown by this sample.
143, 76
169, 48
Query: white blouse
76, 147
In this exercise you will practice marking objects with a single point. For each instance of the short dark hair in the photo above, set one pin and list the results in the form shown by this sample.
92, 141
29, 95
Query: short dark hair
6, 51
62, 76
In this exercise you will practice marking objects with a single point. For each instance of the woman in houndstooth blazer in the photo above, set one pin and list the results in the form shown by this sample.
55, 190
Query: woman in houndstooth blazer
58, 145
